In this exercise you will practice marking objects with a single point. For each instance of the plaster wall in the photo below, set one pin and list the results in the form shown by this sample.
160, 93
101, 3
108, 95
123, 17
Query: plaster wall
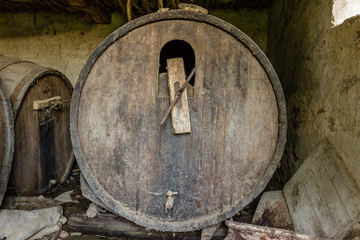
64, 42
60, 41
318, 66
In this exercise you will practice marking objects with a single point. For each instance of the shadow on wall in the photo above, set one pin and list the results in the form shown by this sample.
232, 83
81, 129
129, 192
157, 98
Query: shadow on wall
49, 23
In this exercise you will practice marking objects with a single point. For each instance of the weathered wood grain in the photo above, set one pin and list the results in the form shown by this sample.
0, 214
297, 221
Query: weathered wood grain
241, 231
322, 197
43, 150
180, 113
237, 113
6, 142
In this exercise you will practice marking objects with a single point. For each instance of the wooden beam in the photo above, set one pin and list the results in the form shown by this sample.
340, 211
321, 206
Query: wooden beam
112, 225
98, 15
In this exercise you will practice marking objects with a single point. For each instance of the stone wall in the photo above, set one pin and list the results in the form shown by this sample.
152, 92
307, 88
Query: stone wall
64, 42
318, 66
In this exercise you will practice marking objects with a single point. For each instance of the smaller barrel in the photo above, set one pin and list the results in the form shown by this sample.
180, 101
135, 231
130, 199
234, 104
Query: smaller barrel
6, 142
40, 100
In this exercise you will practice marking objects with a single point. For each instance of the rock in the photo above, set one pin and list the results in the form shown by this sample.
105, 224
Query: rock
93, 210
66, 197
53, 182
75, 234
64, 234
272, 211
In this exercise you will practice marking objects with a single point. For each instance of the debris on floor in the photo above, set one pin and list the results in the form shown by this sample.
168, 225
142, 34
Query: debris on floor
88, 193
93, 210
34, 224
66, 197
272, 211
244, 231
87, 220
322, 197
28, 203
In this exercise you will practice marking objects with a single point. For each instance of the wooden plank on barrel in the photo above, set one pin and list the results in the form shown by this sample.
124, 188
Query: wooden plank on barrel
47, 103
180, 112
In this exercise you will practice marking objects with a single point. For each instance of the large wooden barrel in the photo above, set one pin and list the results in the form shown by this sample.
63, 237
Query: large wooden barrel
216, 166
6, 142
40, 99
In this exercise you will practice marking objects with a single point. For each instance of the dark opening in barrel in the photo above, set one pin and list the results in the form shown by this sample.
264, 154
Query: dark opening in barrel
178, 49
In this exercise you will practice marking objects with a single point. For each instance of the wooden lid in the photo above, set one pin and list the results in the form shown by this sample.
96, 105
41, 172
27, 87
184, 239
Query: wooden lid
237, 117
6, 142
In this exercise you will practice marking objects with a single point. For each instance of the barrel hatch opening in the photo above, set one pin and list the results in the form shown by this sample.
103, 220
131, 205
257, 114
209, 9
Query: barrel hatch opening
176, 49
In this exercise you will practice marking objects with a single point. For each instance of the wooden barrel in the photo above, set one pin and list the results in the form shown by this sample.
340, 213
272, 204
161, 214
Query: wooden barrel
40, 99
6, 142
234, 112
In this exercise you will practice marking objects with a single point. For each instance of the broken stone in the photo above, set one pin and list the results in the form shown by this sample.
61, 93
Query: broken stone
53, 182
63, 234
272, 211
93, 210
66, 197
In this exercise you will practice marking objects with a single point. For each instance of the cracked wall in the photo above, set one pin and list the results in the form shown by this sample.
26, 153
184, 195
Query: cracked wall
318, 66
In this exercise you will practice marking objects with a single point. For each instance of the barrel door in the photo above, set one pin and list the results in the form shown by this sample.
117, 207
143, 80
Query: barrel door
234, 116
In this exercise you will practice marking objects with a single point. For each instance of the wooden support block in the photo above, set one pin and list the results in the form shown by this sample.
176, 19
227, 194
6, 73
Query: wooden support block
112, 225
43, 104
180, 113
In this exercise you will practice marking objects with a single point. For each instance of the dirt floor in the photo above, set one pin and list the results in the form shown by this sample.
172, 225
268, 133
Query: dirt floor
69, 232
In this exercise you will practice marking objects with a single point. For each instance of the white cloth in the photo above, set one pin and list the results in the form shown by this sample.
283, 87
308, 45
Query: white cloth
21, 224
